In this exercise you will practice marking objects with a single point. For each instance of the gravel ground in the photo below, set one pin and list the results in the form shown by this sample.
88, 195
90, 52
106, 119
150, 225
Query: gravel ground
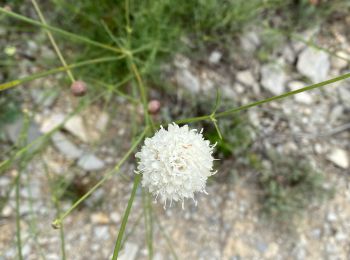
227, 224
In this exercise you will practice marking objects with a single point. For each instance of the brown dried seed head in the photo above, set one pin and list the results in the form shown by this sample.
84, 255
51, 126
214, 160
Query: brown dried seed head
153, 106
78, 88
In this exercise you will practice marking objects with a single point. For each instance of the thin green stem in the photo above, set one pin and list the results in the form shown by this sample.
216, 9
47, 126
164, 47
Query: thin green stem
125, 217
17, 82
142, 89
63, 249
18, 217
147, 208
306, 42
260, 102
167, 238
6, 163
57, 222
52, 40
55, 200
133, 228
62, 32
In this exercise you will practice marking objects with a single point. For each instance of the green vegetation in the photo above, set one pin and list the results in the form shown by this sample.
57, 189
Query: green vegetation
289, 185
118, 47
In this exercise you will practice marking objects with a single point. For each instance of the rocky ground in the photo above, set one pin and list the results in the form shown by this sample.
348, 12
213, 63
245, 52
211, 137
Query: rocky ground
227, 224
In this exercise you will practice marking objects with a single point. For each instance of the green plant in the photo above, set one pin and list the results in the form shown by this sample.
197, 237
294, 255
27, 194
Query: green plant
289, 185
125, 42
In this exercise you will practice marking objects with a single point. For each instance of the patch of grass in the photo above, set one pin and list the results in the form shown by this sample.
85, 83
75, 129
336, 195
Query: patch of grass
236, 136
289, 185
155, 29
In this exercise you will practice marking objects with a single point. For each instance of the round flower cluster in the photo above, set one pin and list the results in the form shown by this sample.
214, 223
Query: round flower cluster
176, 163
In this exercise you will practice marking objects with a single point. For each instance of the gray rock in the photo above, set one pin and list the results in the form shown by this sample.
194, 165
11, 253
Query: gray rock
66, 147
2, 31
129, 252
89, 162
54, 120
246, 77
261, 246
32, 48
344, 93
250, 41
215, 57
331, 216
273, 78
75, 125
43, 98
314, 64
303, 97
339, 157
340, 62
186, 79
158, 256
101, 233
289, 54
13, 132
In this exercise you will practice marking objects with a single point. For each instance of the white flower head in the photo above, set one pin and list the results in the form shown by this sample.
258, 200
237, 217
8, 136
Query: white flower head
176, 163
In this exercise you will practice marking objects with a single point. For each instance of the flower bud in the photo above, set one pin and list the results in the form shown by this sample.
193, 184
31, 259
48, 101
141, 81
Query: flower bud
153, 106
78, 88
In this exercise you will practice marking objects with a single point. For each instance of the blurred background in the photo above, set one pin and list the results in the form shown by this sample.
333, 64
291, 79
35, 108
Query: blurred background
282, 190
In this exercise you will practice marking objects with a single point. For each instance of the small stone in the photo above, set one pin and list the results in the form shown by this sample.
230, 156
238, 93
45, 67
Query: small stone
51, 122
339, 157
188, 80
26, 250
76, 127
32, 48
314, 64
129, 252
261, 246
250, 41
99, 218
101, 233
246, 77
215, 57
331, 216
182, 62
96, 198
43, 98
340, 61
273, 78
303, 97
102, 122
7, 211
115, 217
158, 256
340, 236
14, 131
2, 31
288, 54
89, 162
316, 233
66, 147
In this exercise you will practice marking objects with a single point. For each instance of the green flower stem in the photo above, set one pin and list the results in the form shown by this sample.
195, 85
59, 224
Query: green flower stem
52, 40
57, 222
18, 217
125, 217
17, 82
260, 102
148, 217
6, 163
62, 32
142, 90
